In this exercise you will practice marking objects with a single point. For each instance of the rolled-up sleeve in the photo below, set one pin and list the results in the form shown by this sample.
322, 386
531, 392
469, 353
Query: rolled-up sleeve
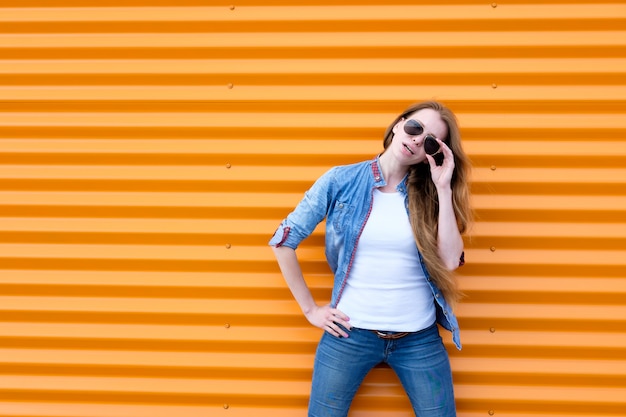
309, 212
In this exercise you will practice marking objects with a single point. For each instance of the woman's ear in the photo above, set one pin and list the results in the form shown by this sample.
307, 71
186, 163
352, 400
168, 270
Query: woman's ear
395, 127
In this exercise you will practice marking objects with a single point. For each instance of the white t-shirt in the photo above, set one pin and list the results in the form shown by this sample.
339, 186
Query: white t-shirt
387, 289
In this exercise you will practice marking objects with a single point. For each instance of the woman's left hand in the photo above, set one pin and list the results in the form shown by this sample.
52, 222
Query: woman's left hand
442, 174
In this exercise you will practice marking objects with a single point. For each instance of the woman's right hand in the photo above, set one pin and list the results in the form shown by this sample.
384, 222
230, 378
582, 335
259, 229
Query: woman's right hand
330, 320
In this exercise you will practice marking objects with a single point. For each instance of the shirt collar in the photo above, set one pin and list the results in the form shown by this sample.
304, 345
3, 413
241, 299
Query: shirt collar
379, 181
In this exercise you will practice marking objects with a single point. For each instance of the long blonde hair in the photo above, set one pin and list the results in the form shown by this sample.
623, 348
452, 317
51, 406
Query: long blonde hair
424, 203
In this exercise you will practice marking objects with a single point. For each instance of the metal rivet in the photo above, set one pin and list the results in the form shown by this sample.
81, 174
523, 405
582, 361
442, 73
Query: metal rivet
226, 406
491, 412
492, 329
494, 5
228, 246
493, 248
231, 7
227, 325
493, 167
494, 85
377, 178
230, 85
228, 166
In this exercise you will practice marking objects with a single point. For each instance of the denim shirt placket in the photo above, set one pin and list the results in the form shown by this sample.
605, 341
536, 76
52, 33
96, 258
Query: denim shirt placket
378, 182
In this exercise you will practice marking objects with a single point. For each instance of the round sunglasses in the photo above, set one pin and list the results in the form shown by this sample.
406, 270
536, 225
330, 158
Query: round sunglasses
413, 127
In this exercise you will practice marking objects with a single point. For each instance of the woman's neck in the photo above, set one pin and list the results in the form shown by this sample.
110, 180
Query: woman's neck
393, 173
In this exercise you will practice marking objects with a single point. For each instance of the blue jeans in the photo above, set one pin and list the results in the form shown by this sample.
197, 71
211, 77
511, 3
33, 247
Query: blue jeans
419, 359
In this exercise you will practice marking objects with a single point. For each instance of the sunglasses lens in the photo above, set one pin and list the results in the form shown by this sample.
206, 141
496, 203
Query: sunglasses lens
413, 127
431, 146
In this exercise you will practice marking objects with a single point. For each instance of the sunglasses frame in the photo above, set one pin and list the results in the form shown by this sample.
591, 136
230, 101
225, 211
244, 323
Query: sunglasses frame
415, 127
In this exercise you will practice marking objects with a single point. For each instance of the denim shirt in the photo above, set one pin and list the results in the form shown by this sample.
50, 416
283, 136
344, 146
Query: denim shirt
344, 196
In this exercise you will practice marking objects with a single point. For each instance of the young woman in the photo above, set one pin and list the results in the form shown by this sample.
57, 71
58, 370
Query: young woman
393, 238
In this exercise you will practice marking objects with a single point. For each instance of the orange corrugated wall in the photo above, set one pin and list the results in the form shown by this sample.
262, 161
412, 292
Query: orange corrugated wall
149, 148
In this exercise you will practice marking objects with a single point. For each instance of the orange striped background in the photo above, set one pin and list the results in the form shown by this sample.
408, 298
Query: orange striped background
149, 148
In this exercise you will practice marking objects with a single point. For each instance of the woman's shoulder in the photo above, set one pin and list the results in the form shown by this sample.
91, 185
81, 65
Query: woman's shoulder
342, 173
341, 176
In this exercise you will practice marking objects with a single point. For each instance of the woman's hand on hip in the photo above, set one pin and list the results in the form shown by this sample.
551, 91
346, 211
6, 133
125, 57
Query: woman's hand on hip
330, 320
